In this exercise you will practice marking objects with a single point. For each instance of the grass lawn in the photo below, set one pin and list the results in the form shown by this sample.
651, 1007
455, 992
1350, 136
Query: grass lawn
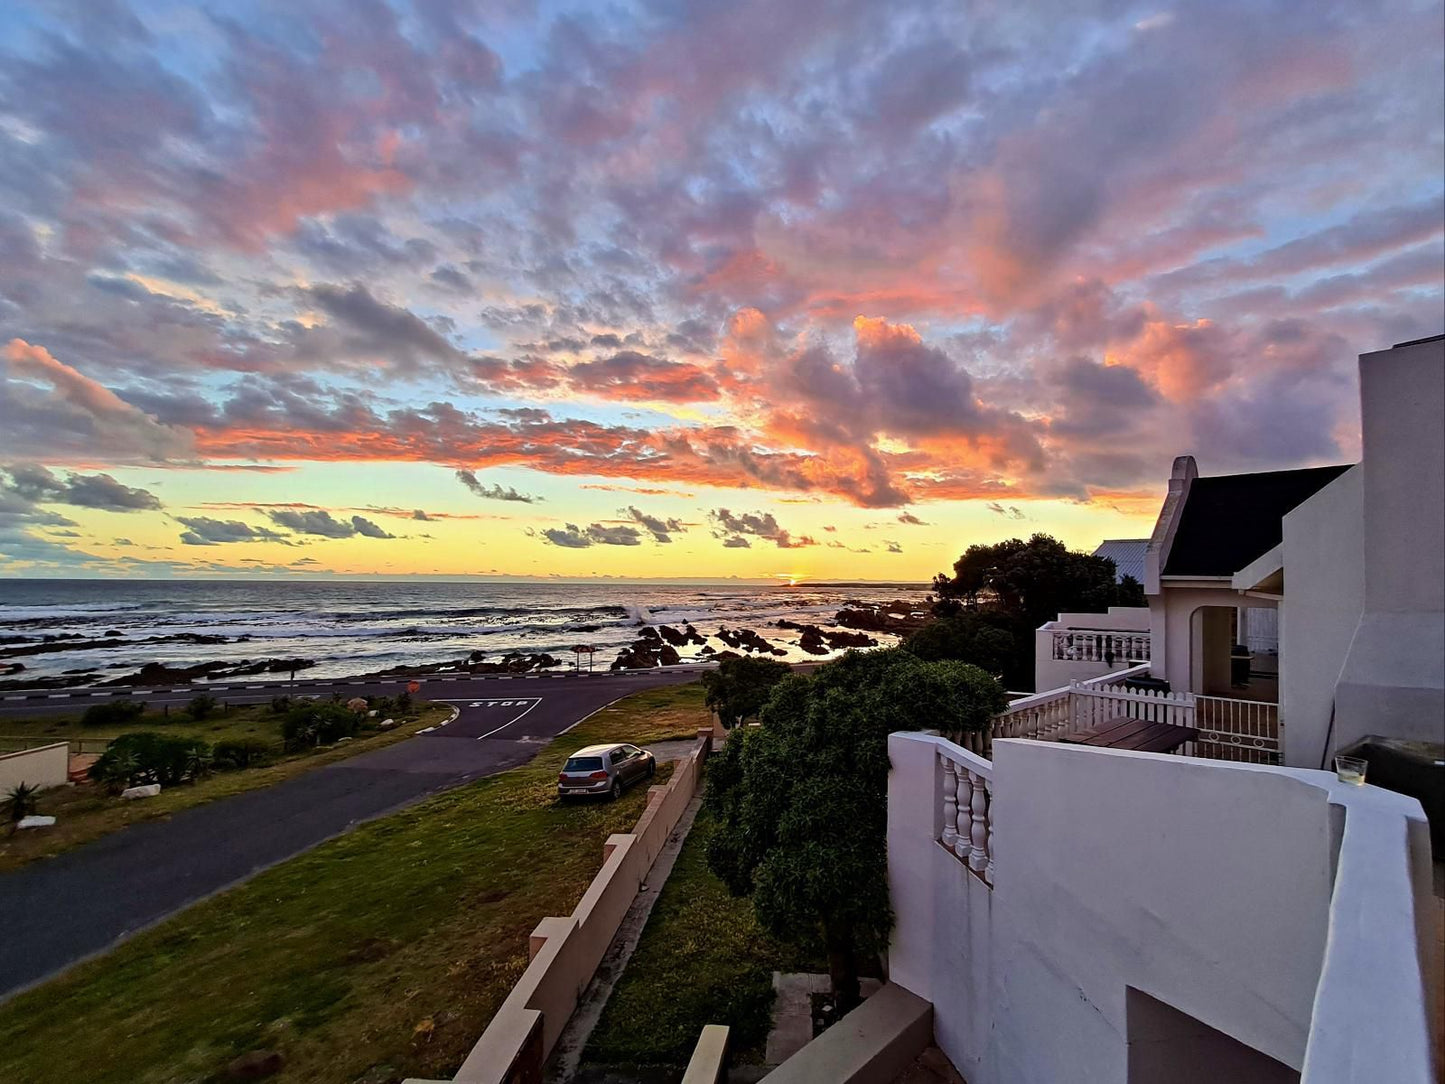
379, 955
702, 959
87, 812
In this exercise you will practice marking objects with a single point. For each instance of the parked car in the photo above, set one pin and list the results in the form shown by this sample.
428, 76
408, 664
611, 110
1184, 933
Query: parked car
604, 769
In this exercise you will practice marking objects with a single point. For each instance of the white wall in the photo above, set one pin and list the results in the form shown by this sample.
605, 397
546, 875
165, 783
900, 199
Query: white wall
943, 915
45, 766
1393, 682
1205, 885
1324, 545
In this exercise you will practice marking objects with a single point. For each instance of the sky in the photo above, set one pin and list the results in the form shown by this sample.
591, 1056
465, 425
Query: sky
703, 288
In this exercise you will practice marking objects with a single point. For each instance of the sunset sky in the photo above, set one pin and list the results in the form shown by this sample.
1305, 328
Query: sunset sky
697, 289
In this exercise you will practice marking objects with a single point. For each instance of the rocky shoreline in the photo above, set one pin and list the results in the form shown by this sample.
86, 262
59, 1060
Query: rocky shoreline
656, 645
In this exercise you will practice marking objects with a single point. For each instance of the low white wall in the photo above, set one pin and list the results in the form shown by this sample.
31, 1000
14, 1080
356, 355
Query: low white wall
44, 766
1205, 885
565, 952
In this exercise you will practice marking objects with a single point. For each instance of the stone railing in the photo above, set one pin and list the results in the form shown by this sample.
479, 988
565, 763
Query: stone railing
967, 828
1093, 645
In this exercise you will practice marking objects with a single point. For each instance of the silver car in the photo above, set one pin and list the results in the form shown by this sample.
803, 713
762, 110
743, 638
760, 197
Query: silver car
604, 769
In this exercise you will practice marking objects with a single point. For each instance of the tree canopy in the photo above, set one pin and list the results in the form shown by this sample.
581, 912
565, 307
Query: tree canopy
1013, 587
801, 802
738, 688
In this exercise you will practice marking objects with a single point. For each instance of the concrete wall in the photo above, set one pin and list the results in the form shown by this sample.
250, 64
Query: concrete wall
566, 951
1402, 404
1204, 886
1324, 544
44, 766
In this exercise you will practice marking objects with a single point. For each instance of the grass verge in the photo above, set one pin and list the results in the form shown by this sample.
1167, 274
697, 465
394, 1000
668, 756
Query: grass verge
87, 812
703, 959
377, 956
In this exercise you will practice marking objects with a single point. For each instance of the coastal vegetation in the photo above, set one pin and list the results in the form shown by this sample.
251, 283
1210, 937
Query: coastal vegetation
800, 802
740, 686
379, 955
703, 959
999, 594
235, 749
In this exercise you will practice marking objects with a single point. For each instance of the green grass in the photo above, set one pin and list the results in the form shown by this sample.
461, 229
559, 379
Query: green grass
87, 812
224, 724
702, 959
335, 957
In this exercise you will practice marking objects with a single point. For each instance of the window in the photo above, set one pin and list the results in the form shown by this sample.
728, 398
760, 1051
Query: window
583, 764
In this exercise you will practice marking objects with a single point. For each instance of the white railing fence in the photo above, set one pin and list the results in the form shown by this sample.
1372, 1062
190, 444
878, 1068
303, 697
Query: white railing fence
1092, 706
1090, 645
1245, 731
967, 827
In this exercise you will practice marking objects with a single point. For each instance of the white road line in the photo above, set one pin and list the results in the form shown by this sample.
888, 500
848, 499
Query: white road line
58, 696
504, 726
591, 713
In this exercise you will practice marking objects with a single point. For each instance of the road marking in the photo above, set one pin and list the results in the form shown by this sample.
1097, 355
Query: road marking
58, 696
504, 726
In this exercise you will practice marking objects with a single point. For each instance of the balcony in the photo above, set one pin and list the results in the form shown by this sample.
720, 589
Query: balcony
1232, 729
1077, 913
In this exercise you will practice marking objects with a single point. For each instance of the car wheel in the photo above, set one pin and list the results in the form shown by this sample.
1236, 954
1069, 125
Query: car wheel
616, 789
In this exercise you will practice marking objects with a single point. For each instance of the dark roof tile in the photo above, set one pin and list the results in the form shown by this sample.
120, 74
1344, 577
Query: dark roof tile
1230, 520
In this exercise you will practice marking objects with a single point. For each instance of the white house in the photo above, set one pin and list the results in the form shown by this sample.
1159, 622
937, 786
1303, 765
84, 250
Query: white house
1080, 913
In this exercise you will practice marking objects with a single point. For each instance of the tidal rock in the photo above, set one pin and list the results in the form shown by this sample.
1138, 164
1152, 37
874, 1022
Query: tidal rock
255, 1065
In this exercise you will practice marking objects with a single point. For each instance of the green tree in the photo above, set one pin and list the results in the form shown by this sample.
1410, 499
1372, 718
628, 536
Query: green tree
738, 688
801, 802
984, 639
1035, 580
1022, 585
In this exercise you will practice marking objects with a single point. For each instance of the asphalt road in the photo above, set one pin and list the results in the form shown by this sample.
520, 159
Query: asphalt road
63, 910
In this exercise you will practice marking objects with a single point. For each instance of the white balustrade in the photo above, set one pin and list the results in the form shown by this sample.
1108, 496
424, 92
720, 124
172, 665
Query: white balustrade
1089, 645
967, 829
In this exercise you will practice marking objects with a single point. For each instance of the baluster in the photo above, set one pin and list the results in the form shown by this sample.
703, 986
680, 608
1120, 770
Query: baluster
950, 803
978, 823
962, 841
988, 871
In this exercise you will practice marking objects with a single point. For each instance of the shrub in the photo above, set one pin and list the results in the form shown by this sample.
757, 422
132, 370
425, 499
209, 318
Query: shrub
311, 723
241, 753
20, 802
820, 761
738, 688
280, 705
146, 756
112, 713
201, 706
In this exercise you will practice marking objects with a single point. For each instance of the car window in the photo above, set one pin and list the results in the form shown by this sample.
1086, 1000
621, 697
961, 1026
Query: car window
583, 764
618, 756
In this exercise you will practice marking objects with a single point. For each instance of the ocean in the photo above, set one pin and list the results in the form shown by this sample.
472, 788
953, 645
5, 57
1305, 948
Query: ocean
360, 626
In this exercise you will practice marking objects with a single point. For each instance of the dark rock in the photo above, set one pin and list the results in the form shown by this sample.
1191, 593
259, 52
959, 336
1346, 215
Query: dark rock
668, 656
896, 617
255, 1065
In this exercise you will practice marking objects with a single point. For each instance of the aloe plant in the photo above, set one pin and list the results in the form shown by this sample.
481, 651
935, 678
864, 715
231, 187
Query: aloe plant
21, 803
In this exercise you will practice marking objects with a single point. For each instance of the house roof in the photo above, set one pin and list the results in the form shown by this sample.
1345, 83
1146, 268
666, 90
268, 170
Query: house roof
1231, 519
1127, 555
